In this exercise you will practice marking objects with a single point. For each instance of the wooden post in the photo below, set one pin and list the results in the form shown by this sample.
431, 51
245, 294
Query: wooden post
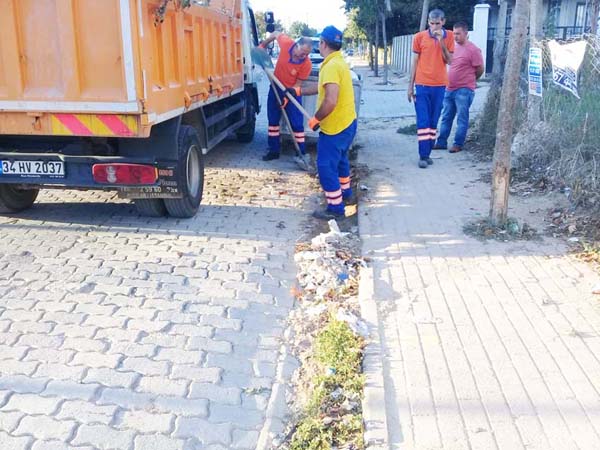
506, 114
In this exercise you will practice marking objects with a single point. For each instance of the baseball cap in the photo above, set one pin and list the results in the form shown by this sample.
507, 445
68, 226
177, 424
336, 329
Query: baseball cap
332, 34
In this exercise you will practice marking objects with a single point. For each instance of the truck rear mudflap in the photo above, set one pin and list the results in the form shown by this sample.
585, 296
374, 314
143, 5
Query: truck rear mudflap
131, 177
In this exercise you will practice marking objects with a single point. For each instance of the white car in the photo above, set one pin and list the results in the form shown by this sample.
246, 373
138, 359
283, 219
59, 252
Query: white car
315, 56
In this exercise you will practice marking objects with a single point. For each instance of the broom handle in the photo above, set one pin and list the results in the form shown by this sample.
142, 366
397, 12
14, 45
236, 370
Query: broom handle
288, 95
286, 118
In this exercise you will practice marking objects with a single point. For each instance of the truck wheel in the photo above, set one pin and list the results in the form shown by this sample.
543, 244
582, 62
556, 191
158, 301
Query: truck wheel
13, 199
245, 133
150, 207
190, 175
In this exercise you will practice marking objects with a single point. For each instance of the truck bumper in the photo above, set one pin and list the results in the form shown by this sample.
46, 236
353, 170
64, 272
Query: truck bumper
77, 174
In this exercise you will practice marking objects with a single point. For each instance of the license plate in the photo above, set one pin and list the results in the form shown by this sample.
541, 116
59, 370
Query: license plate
33, 168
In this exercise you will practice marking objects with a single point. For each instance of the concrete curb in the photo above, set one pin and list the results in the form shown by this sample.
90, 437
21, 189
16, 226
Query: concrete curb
374, 409
278, 412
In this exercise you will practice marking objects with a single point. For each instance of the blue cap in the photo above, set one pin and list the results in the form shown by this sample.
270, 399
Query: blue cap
332, 34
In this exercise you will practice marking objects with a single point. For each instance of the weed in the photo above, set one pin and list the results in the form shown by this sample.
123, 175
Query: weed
408, 129
483, 229
333, 415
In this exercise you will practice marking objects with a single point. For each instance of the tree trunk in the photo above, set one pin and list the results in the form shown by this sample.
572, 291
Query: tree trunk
385, 49
500, 40
506, 115
376, 63
371, 57
424, 14
536, 15
594, 18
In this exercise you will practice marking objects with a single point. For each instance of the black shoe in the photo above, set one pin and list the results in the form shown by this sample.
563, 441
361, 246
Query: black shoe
327, 215
429, 161
423, 164
270, 156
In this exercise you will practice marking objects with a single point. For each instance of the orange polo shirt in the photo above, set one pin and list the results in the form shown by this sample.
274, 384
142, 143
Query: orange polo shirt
286, 70
431, 68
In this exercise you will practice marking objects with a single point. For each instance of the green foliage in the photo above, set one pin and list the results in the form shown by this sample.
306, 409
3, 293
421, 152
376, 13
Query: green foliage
339, 348
408, 129
312, 434
405, 16
339, 353
299, 29
353, 32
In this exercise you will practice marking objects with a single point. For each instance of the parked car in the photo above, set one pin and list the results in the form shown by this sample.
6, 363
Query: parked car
315, 55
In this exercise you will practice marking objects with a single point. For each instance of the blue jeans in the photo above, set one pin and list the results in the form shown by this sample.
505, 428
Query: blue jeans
456, 103
428, 106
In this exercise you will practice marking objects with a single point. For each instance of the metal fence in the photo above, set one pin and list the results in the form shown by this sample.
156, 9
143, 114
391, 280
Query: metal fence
402, 53
558, 33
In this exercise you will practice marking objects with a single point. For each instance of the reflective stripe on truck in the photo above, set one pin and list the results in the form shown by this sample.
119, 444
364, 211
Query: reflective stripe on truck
94, 125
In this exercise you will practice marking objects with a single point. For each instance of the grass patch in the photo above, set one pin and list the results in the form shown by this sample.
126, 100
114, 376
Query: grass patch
408, 129
333, 416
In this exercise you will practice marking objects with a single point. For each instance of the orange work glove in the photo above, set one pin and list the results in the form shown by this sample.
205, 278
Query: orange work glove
313, 124
296, 90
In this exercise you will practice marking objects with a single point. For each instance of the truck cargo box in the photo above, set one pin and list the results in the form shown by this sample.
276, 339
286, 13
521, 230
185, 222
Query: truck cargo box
113, 67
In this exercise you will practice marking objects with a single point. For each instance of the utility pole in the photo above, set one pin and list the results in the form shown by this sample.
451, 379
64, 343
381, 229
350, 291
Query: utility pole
424, 14
506, 115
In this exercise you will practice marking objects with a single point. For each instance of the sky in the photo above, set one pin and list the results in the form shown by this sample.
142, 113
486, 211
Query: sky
316, 13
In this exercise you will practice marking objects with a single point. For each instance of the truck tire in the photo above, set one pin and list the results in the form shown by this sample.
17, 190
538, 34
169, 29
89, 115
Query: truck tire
14, 200
150, 207
190, 175
245, 133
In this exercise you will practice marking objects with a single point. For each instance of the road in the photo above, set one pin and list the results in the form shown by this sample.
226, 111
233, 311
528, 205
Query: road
123, 332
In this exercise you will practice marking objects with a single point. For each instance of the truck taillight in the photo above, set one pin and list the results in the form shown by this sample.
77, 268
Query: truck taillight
123, 173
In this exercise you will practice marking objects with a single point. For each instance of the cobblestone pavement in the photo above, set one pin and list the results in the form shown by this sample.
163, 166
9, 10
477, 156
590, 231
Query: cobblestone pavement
484, 345
129, 333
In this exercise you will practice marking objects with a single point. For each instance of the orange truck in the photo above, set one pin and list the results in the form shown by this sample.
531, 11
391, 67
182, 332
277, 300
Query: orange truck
124, 95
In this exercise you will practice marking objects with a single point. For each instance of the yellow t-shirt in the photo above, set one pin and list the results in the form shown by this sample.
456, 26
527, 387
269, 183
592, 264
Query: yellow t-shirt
335, 70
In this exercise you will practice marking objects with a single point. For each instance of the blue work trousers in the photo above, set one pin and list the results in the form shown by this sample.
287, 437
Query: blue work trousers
274, 116
428, 106
333, 166
456, 103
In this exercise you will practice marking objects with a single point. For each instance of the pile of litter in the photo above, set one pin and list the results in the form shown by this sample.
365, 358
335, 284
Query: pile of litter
327, 311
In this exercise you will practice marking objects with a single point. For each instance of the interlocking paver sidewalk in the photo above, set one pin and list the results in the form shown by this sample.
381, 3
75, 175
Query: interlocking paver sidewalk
124, 332
484, 345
